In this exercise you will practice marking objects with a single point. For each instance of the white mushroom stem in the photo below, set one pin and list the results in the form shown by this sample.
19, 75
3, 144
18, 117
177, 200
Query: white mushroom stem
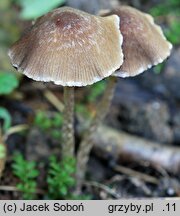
87, 144
68, 123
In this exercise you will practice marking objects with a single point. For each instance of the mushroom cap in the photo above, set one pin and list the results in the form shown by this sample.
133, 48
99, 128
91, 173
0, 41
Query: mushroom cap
144, 44
70, 48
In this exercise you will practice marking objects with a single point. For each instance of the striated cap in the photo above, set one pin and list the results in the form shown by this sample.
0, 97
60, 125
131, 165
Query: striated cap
70, 48
144, 44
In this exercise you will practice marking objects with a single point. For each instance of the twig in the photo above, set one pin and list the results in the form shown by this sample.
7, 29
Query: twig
116, 178
54, 100
138, 183
103, 187
15, 129
14, 188
133, 173
8, 188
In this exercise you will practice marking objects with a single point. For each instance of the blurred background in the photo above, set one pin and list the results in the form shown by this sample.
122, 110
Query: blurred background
137, 153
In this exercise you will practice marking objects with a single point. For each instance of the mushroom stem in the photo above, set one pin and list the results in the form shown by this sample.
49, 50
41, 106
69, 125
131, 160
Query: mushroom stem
87, 142
68, 124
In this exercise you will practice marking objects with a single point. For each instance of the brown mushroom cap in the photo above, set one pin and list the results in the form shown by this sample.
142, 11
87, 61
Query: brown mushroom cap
70, 48
144, 44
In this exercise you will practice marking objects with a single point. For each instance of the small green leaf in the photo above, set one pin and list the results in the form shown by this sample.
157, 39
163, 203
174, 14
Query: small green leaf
96, 90
32, 9
5, 116
8, 82
56, 134
57, 120
33, 174
60, 177
158, 68
64, 190
173, 33
26, 172
82, 109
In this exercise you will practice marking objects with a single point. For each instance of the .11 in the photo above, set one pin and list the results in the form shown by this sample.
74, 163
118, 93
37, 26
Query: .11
171, 207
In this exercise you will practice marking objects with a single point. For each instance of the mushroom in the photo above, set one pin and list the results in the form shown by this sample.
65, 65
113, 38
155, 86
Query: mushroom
70, 48
144, 46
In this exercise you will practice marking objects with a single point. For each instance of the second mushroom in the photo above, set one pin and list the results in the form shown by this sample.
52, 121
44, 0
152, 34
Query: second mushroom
144, 45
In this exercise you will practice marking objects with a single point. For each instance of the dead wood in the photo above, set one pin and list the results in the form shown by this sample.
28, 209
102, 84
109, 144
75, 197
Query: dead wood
118, 145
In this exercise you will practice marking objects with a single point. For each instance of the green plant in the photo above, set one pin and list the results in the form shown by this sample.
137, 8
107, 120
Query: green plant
27, 173
171, 10
60, 178
166, 7
96, 90
6, 117
49, 123
173, 33
8, 82
158, 68
32, 9
82, 110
